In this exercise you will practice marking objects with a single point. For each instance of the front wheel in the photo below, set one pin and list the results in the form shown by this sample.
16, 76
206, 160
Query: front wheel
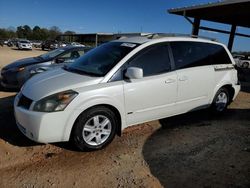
94, 129
245, 65
221, 101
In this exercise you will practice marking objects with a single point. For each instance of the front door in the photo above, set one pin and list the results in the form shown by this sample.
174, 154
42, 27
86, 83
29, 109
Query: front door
153, 96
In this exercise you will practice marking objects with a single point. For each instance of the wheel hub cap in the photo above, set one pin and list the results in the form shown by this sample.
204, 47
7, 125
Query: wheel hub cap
221, 101
96, 130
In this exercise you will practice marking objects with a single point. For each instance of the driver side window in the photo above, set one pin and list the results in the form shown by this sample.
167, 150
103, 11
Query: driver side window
152, 60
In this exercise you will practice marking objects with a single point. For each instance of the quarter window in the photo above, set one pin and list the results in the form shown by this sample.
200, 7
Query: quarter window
219, 55
192, 54
153, 60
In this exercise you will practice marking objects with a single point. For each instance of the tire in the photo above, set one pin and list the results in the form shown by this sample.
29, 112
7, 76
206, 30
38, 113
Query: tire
220, 101
245, 65
94, 129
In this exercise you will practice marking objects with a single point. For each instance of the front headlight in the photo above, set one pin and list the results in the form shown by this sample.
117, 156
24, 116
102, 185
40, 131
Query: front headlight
17, 69
56, 102
20, 69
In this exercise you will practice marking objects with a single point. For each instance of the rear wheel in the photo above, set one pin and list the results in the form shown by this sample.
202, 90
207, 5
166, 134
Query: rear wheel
94, 129
221, 101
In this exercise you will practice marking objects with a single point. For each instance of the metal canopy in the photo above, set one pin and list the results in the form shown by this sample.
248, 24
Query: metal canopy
233, 12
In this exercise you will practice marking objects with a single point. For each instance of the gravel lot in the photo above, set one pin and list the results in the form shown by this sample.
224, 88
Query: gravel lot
194, 150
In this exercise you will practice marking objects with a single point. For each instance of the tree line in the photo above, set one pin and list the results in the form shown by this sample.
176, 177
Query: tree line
35, 33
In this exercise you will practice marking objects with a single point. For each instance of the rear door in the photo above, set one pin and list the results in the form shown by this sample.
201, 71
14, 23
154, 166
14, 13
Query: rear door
195, 74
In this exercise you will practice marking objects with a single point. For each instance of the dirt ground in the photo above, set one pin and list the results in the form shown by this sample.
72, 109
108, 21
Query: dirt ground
194, 150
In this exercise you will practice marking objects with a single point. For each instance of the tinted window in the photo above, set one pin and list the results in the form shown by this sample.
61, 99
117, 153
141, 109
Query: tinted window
191, 54
52, 53
219, 55
153, 60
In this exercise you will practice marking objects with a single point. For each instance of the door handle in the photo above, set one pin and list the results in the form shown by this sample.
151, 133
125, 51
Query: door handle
168, 81
183, 78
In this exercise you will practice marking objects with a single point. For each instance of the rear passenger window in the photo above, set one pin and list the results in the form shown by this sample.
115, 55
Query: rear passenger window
192, 54
219, 55
153, 60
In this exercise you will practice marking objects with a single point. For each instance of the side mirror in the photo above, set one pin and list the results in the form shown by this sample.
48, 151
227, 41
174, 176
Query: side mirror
59, 60
134, 73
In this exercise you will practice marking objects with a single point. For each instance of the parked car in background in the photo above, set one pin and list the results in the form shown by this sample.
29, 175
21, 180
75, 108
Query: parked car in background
15, 74
50, 45
36, 43
53, 44
24, 45
243, 62
123, 83
12, 42
76, 44
5, 42
1, 42
237, 57
63, 44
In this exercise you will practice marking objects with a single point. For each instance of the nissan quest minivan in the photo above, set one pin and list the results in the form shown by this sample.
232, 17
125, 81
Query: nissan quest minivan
123, 83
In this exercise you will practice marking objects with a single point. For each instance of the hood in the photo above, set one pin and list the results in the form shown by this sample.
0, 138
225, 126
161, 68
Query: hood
25, 62
54, 81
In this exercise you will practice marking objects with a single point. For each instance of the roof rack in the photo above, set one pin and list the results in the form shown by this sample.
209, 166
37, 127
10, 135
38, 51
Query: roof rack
160, 35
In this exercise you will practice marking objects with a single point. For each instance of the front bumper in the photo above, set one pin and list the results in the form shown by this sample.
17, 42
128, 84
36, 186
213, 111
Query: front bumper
9, 86
39, 126
25, 47
8, 80
12, 79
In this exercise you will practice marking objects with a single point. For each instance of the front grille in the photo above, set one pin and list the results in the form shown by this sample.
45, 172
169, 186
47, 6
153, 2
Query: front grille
24, 102
4, 80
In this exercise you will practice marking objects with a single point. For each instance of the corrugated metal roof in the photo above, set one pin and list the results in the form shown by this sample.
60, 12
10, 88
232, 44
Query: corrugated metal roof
228, 12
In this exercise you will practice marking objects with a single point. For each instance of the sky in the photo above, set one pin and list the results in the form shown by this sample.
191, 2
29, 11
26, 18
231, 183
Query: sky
112, 16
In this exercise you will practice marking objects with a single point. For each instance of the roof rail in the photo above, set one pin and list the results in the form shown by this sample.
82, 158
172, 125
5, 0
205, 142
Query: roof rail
160, 35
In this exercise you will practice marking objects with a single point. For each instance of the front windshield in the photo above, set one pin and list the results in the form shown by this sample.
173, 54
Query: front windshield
102, 59
52, 54
24, 41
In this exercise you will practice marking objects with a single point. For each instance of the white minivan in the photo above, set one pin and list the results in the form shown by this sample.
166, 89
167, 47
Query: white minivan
123, 83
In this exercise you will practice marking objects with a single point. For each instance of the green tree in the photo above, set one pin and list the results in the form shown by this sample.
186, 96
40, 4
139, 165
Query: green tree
20, 32
44, 34
69, 32
24, 32
54, 31
36, 33
3, 33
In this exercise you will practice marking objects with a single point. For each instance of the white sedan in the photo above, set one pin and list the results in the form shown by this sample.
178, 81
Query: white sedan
243, 62
24, 44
